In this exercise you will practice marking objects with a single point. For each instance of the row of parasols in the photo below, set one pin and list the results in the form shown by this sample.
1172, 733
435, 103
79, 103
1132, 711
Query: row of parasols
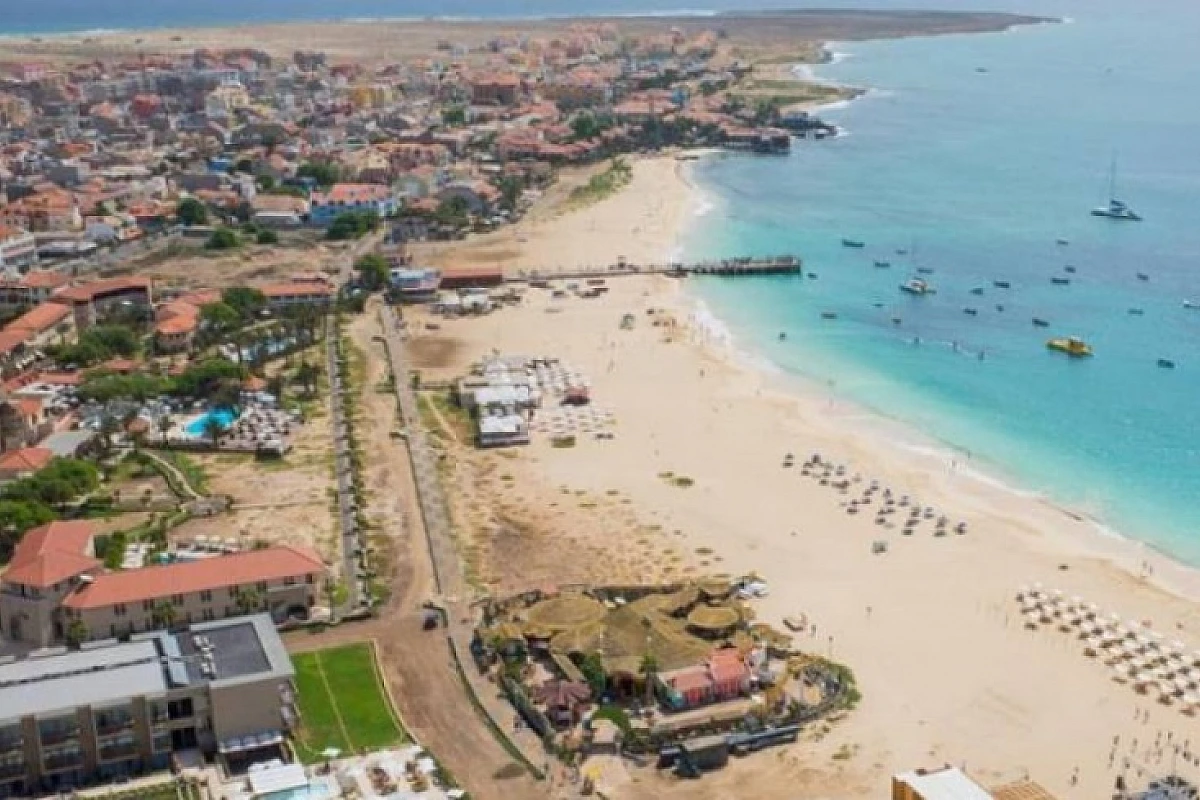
1134, 653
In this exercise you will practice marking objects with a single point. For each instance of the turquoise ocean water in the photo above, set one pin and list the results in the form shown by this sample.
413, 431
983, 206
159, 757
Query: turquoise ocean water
978, 174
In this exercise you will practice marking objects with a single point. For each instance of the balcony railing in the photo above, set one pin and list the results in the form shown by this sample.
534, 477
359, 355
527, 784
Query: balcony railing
118, 752
55, 736
106, 726
12, 769
61, 761
8, 743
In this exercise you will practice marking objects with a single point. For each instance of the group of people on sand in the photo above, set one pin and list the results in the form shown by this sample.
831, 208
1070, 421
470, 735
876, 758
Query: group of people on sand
892, 509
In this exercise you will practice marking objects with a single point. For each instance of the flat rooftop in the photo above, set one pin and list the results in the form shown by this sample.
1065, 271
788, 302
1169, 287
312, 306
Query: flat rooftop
239, 649
60, 683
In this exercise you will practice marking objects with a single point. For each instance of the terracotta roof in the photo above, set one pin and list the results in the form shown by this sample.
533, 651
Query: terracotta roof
296, 288
42, 278
40, 318
27, 459
10, 340
239, 569
352, 193
51, 553
86, 292
29, 406
173, 326
8, 231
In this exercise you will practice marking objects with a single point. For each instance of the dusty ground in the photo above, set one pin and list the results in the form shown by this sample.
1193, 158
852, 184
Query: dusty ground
390, 41
250, 264
285, 501
415, 663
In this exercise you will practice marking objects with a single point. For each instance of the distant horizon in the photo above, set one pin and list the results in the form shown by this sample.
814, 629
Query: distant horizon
78, 17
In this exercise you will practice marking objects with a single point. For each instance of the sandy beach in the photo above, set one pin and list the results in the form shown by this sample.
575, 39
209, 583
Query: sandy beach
948, 671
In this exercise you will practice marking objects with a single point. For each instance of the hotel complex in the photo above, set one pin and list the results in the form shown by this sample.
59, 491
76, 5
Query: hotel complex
111, 710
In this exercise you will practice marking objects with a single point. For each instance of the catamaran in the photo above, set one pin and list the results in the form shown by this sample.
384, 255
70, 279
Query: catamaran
1116, 209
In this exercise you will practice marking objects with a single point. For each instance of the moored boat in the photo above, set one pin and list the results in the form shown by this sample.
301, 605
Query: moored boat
855, 243
915, 286
1040, 323
1071, 345
883, 264
1002, 284
1060, 281
1166, 363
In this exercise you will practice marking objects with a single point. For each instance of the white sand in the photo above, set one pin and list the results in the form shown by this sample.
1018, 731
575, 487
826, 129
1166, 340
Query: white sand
946, 670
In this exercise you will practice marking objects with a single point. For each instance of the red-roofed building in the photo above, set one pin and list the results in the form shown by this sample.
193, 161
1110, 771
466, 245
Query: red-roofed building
91, 302
722, 677
495, 90
324, 207
18, 247
46, 565
284, 580
298, 293
46, 323
54, 581
23, 462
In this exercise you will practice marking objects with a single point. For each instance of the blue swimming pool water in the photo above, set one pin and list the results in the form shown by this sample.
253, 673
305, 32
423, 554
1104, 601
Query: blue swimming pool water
225, 416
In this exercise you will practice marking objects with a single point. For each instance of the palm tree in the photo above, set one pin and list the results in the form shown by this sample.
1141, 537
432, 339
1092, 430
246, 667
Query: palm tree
649, 670
306, 375
164, 615
213, 429
109, 425
164, 426
249, 601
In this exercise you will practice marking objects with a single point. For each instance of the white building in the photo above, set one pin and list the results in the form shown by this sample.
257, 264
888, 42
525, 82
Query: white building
18, 248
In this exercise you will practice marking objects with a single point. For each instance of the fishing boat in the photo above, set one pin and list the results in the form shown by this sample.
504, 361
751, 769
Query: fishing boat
855, 243
1071, 345
915, 286
977, 290
970, 312
900, 251
1166, 363
1116, 209
828, 315
1190, 304
812, 276
1141, 276
1069, 268
1136, 312
1040, 323
882, 264
1060, 281
1061, 242
1002, 284
924, 270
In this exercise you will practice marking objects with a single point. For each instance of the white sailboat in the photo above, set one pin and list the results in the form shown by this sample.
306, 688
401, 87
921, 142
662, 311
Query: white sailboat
1116, 209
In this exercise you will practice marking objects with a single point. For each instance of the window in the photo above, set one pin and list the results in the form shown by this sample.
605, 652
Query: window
208, 615
262, 586
147, 605
177, 599
290, 580
206, 596
308, 578
119, 609
233, 592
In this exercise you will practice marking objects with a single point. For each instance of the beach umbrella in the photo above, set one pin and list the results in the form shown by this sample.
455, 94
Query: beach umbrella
330, 753
1093, 609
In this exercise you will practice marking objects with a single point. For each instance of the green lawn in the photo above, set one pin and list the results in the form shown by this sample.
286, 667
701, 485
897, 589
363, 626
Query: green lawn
342, 703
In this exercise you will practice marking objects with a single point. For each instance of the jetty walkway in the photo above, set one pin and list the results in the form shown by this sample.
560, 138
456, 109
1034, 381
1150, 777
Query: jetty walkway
766, 265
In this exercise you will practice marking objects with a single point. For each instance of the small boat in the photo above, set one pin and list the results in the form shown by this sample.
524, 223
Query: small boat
877, 305
883, 264
828, 315
1166, 363
977, 290
1141, 276
915, 286
900, 251
782, 336
970, 312
855, 243
1060, 281
1116, 209
1189, 304
1072, 346
896, 320
1040, 323
999, 306
981, 70
1069, 268
812, 276
1002, 284
1136, 312
1061, 242
924, 270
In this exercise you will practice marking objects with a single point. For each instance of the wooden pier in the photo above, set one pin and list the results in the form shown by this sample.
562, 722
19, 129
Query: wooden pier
745, 266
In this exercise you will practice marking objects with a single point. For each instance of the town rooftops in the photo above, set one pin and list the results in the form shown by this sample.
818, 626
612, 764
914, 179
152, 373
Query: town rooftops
88, 292
8, 232
51, 553
238, 569
352, 193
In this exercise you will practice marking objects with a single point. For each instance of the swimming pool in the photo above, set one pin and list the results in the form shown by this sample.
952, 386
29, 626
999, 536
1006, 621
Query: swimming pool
224, 416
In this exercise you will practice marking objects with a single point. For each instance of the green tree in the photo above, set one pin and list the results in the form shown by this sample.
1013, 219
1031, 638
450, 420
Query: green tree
214, 430
220, 317
510, 187
592, 668
352, 225
306, 376
288, 191
164, 614
266, 236
648, 669
16, 517
222, 239
208, 378
266, 183
77, 632
191, 212
454, 116
109, 427
323, 173
247, 302
250, 600
373, 271
453, 211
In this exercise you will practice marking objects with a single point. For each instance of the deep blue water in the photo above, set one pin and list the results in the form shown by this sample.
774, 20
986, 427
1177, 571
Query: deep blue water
978, 174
